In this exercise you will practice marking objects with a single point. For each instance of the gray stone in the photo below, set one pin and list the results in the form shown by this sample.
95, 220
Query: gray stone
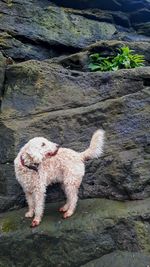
40, 30
143, 28
83, 4
121, 259
67, 106
2, 75
51, 26
21, 50
97, 228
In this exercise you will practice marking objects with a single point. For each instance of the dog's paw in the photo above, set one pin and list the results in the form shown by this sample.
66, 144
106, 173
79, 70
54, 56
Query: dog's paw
67, 214
35, 223
64, 208
29, 214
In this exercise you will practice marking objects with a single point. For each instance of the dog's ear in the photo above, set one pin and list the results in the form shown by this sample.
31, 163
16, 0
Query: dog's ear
25, 156
34, 156
29, 155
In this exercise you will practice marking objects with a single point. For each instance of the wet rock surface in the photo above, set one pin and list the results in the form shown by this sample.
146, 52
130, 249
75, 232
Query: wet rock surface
123, 259
98, 227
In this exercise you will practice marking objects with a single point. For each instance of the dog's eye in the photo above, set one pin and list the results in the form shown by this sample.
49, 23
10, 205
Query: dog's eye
43, 144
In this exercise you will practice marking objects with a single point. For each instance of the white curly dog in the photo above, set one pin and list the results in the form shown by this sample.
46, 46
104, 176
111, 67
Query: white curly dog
41, 162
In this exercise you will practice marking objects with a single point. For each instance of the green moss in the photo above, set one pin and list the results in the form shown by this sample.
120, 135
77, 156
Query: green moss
2, 41
8, 225
143, 235
9, 3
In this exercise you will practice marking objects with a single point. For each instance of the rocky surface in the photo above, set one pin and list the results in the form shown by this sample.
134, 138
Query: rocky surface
40, 30
121, 259
46, 89
80, 61
2, 74
54, 96
98, 227
51, 101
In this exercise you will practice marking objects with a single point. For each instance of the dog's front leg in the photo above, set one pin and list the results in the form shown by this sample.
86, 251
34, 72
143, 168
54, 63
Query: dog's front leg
39, 198
30, 200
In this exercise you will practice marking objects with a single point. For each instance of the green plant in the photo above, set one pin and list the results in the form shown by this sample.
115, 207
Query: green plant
124, 59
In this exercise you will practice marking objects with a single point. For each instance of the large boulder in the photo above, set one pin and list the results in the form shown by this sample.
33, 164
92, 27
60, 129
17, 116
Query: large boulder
121, 259
125, 5
83, 4
41, 30
38, 30
67, 106
98, 227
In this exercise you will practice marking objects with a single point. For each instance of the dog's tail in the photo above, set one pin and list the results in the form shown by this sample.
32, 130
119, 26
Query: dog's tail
96, 146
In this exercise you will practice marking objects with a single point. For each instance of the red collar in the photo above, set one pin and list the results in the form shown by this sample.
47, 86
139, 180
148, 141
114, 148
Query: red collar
52, 154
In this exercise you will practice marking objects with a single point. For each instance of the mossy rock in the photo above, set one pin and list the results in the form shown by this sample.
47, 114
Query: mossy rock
121, 259
97, 228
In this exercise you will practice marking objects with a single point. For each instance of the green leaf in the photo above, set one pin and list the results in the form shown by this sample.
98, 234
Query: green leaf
125, 58
94, 67
94, 56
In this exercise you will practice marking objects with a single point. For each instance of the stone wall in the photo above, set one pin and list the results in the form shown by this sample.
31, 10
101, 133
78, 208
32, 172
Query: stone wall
58, 98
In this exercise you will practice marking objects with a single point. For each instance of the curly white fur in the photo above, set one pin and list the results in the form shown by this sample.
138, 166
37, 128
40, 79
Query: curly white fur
54, 165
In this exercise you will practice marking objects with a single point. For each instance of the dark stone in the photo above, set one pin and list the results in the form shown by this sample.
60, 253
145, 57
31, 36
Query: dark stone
140, 16
21, 49
2, 75
98, 228
67, 106
143, 28
47, 27
121, 259
82, 4
35, 30
121, 18
133, 5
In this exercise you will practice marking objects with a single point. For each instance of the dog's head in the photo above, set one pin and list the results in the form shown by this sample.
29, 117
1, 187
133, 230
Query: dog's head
39, 148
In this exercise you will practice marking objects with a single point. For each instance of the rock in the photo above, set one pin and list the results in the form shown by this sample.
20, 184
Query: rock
73, 242
35, 30
140, 16
121, 259
67, 106
92, 14
125, 5
132, 6
80, 61
83, 4
120, 18
48, 27
2, 75
143, 28
21, 50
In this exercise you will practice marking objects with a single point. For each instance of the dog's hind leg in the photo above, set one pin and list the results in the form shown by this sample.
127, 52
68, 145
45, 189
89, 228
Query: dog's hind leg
30, 201
66, 206
72, 198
